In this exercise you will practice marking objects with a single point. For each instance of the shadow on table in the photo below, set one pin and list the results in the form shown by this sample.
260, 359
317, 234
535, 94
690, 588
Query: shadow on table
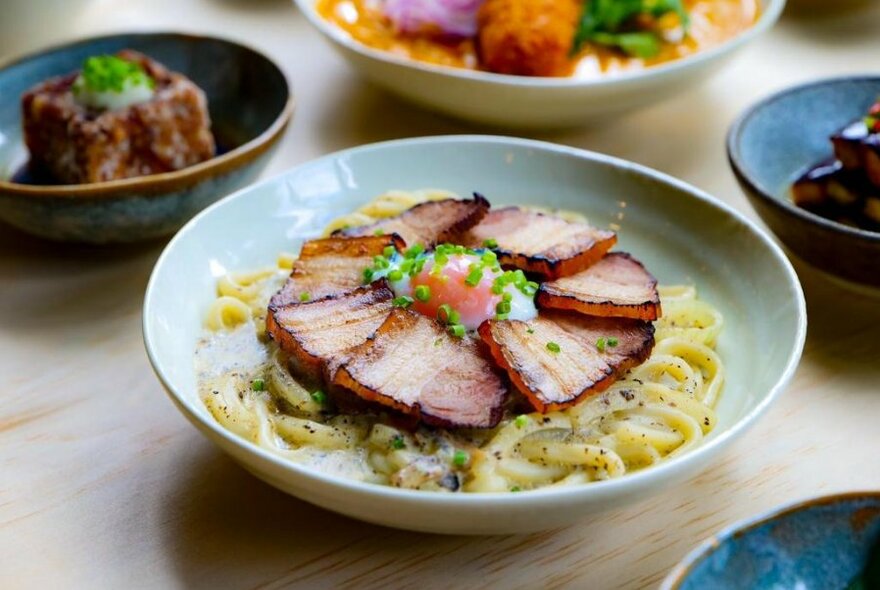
842, 327
838, 23
225, 528
45, 284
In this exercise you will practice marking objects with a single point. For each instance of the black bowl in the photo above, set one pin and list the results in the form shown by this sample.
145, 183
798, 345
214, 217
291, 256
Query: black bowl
776, 140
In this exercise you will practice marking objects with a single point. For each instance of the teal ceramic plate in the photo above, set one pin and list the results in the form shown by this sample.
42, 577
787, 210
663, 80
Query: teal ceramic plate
680, 233
829, 543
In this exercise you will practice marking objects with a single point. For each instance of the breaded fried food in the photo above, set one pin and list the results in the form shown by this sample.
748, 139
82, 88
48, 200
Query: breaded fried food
528, 37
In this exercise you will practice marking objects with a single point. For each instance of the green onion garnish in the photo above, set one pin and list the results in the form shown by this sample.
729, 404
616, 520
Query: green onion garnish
319, 396
460, 458
403, 301
304, 296
521, 421
258, 385
447, 315
414, 251
389, 251
368, 275
553, 347
456, 330
508, 297
503, 307
516, 489
474, 276
378, 232
423, 293
397, 442
600, 344
502, 316
395, 275
108, 73
612, 341
490, 243
530, 330
381, 262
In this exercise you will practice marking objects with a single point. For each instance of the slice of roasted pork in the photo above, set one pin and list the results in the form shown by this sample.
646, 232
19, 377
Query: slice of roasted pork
331, 266
430, 223
413, 365
616, 286
538, 243
559, 357
317, 334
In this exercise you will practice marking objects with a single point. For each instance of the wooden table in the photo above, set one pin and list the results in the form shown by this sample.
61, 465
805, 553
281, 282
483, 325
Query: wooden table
104, 484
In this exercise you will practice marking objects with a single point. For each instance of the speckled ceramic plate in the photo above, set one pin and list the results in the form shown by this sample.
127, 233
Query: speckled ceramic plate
680, 233
821, 544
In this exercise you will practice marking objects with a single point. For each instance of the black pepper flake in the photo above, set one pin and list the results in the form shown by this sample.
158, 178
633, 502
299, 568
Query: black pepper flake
627, 394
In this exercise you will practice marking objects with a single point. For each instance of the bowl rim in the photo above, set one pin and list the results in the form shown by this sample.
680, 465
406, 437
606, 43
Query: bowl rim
696, 556
605, 488
158, 184
734, 136
766, 20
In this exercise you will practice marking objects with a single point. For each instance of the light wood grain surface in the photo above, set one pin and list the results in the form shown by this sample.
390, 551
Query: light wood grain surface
104, 485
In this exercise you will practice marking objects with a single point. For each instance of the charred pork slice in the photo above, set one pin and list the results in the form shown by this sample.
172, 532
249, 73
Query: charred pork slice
616, 286
317, 334
542, 244
412, 364
331, 266
558, 358
429, 224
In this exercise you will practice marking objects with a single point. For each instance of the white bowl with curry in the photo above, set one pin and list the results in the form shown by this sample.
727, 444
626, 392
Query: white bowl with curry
538, 63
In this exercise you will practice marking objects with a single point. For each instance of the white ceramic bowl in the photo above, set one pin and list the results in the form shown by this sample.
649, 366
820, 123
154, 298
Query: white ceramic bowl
681, 234
528, 102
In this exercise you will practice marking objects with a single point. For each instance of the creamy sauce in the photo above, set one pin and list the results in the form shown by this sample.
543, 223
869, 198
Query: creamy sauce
712, 23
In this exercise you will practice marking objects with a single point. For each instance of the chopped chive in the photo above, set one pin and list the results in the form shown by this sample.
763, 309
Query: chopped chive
600, 344
379, 232
502, 307
497, 288
389, 251
530, 330
490, 243
516, 489
418, 266
521, 421
612, 341
403, 301
447, 315
456, 330
319, 396
460, 458
502, 316
553, 347
489, 258
368, 275
438, 341
474, 276
395, 275
304, 296
258, 385
423, 292
381, 262
508, 297
397, 442
414, 251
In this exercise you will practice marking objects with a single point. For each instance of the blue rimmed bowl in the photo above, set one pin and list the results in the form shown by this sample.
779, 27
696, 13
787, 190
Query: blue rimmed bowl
820, 544
250, 103
776, 140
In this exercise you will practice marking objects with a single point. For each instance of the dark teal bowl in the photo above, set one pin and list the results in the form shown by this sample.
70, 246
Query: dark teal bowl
822, 544
779, 138
250, 103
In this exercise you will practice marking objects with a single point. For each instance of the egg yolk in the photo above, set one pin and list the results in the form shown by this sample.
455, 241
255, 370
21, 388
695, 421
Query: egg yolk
448, 285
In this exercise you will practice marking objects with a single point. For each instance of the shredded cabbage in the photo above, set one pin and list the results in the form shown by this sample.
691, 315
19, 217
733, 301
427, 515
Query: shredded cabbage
453, 17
